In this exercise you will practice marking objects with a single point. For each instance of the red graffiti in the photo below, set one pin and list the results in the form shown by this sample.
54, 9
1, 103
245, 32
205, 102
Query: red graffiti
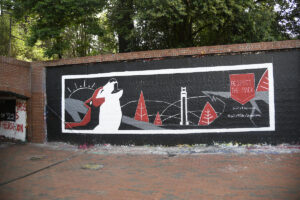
19, 128
8, 125
242, 87
12, 126
21, 106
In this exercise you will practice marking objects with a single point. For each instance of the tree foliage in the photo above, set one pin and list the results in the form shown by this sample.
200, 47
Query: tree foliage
120, 15
184, 23
72, 28
17, 37
4, 34
56, 20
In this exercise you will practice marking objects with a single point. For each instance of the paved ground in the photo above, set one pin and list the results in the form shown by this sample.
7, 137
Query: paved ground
60, 171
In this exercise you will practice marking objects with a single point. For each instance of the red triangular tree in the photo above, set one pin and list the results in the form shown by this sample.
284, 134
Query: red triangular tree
208, 115
157, 120
263, 84
141, 110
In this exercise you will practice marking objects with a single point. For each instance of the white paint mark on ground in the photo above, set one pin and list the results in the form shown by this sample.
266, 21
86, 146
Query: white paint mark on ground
179, 149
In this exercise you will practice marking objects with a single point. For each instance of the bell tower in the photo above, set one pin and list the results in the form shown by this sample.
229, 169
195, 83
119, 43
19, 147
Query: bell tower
183, 107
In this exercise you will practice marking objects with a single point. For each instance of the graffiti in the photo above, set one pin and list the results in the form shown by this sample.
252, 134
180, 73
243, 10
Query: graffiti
7, 116
193, 100
12, 126
21, 106
15, 128
7, 110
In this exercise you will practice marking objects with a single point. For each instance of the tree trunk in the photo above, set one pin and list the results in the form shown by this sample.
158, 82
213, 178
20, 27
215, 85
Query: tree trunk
126, 41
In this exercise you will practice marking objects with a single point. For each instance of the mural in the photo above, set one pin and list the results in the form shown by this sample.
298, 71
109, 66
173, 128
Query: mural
13, 118
186, 100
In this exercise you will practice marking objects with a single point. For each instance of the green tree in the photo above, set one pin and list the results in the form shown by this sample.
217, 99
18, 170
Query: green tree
72, 28
288, 16
54, 19
82, 42
4, 34
20, 48
13, 39
108, 42
120, 15
159, 24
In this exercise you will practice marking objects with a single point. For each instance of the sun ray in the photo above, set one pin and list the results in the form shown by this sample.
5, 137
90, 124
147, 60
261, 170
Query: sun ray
81, 87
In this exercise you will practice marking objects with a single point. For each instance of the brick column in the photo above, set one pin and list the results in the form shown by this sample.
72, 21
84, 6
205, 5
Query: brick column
37, 104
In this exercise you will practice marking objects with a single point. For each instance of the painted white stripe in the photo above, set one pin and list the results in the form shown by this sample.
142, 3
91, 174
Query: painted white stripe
182, 131
271, 97
263, 87
169, 71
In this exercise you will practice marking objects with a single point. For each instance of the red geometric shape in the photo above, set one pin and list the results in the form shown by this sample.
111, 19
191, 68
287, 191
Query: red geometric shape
157, 120
242, 87
263, 84
208, 115
87, 117
141, 110
96, 101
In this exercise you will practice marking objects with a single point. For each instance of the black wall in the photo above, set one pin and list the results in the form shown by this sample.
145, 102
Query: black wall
287, 99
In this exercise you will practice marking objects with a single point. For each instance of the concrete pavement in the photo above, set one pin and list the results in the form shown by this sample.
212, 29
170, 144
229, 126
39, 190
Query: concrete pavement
60, 171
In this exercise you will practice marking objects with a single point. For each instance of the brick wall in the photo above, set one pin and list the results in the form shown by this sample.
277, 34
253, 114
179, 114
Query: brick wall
25, 79
15, 76
28, 79
37, 103
192, 51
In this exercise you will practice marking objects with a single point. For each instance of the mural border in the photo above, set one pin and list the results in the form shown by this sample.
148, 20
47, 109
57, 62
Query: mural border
269, 66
